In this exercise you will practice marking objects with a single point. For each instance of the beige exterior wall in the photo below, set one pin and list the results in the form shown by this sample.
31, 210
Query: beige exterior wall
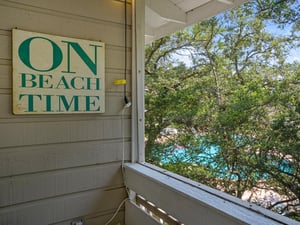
54, 168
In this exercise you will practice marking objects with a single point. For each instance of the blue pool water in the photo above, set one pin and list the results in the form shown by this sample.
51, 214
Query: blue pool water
205, 155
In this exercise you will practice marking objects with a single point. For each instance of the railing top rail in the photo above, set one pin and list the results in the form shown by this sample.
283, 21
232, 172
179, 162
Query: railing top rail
194, 203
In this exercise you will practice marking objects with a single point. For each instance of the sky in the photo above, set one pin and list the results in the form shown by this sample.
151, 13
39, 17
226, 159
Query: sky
295, 52
294, 55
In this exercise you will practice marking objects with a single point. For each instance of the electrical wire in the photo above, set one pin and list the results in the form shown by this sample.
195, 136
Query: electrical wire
127, 104
123, 137
123, 148
122, 167
117, 211
125, 46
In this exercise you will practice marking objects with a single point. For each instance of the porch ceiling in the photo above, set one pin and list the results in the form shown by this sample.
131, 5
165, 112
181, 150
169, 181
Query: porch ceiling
166, 16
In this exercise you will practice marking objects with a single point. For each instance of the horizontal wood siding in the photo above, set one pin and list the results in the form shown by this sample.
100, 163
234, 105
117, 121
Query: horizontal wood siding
58, 168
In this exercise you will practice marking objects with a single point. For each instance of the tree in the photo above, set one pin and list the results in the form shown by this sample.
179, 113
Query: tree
238, 95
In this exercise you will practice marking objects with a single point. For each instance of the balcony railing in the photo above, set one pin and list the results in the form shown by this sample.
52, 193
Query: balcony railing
168, 198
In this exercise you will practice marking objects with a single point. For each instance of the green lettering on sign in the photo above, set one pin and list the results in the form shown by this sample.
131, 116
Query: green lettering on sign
63, 102
55, 74
24, 54
92, 65
28, 80
30, 106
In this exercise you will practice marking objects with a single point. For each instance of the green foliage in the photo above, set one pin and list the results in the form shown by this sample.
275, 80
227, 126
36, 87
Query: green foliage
238, 93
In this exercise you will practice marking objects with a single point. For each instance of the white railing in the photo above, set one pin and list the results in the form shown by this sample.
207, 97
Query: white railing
187, 201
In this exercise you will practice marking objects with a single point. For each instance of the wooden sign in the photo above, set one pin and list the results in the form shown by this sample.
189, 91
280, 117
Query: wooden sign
53, 74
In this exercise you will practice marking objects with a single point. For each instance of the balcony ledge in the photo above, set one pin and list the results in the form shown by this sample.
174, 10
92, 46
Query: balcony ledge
191, 202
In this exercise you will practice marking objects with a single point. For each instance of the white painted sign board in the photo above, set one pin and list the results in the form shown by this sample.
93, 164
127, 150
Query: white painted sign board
54, 74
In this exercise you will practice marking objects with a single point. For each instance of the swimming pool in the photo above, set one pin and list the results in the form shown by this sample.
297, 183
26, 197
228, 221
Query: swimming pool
206, 155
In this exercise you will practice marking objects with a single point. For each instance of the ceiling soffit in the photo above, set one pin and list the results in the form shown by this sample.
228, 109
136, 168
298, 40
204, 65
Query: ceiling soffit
166, 16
